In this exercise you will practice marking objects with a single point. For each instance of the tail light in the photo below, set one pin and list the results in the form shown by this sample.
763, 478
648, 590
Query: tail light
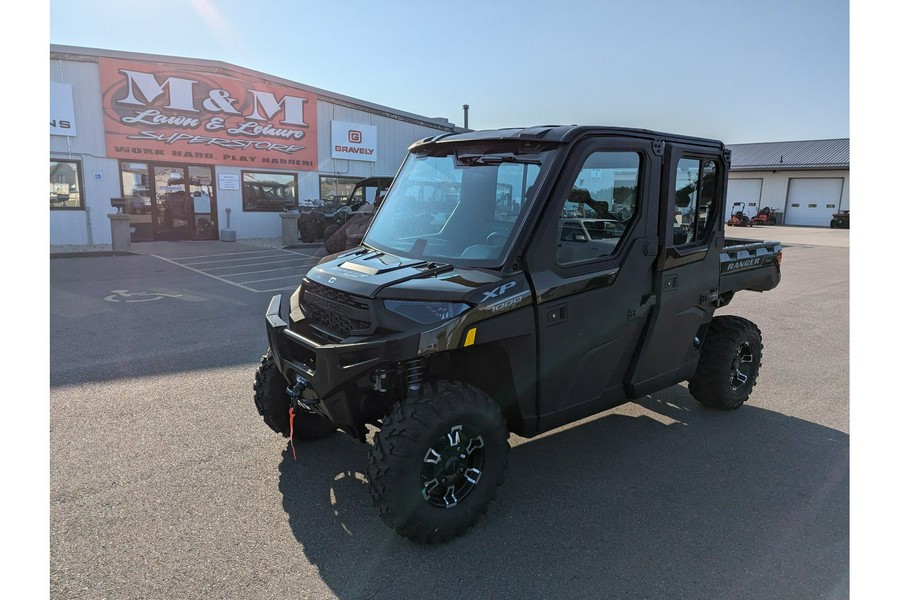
778, 258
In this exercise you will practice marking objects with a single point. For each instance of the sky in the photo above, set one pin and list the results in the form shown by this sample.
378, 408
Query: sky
734, 70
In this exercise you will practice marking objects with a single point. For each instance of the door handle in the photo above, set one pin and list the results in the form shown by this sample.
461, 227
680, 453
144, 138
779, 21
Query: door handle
557, 314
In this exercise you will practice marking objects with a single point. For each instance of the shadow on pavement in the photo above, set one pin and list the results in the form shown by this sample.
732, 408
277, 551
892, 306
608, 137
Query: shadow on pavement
676, 501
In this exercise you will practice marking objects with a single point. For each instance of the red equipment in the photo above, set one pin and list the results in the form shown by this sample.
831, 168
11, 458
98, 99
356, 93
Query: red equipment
738, 218
766, 216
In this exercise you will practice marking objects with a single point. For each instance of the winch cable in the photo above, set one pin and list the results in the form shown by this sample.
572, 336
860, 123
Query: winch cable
291, 415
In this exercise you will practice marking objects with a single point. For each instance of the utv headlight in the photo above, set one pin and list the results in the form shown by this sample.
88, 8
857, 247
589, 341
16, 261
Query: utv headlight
426, 312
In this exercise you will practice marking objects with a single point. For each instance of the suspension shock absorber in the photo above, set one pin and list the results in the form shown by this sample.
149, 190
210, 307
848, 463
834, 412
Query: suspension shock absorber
414, 375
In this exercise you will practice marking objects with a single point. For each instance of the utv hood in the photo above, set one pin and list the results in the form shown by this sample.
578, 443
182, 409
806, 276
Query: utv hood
372, 273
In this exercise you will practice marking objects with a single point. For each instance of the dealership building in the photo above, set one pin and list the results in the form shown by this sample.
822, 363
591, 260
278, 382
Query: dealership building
804, 182
189, 148
194, 149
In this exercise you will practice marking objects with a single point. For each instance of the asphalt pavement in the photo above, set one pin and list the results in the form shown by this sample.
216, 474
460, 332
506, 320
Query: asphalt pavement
165, 483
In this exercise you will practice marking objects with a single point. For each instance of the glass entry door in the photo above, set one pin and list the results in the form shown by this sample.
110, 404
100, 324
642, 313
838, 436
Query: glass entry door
202, 202
169, 202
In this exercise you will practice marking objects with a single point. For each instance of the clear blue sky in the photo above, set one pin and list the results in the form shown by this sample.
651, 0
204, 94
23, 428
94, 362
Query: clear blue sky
735, 70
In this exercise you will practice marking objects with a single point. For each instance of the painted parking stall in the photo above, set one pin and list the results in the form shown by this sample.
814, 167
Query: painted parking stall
260, 271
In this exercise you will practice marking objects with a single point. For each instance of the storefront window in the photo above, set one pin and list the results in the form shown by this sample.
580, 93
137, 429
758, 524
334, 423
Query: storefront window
268, 191
336, 188
65, 184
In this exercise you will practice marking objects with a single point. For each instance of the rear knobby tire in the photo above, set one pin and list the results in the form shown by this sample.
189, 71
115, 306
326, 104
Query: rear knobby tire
437, 461
308, 231
273, 403
729, 363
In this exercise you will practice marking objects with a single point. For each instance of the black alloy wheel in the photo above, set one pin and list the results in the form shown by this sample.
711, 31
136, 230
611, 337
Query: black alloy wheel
438, 460
730, 359
452, 466
741, 366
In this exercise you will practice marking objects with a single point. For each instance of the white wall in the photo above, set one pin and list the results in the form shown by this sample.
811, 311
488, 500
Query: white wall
100, 175
775, 187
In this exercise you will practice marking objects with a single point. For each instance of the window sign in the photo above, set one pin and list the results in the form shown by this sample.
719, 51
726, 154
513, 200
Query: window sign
229, 181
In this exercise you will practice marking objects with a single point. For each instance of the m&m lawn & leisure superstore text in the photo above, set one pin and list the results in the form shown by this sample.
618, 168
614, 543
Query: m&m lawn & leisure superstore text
191, 146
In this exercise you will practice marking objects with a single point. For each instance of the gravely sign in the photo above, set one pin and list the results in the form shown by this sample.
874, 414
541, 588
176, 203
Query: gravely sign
164, 113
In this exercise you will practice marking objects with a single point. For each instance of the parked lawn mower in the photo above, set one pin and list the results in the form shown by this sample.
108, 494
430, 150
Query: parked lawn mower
840, 220
738, 218
766, 216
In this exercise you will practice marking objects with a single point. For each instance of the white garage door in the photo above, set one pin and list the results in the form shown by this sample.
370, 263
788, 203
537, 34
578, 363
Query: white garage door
813, 201
748, 191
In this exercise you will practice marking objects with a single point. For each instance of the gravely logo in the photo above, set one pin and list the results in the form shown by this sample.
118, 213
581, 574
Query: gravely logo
157, 112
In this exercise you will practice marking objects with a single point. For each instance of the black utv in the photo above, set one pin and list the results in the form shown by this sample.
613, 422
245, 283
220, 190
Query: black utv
494, 292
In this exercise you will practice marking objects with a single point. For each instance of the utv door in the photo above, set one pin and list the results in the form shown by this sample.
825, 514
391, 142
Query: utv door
686, 274
591, 264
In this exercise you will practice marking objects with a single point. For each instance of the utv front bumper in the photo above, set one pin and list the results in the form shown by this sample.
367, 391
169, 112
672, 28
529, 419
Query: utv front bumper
334, 375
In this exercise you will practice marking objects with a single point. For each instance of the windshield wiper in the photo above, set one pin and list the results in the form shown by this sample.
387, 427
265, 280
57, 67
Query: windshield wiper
493, 159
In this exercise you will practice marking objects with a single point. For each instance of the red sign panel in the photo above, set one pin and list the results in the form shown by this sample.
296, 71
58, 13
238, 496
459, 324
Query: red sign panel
172, 113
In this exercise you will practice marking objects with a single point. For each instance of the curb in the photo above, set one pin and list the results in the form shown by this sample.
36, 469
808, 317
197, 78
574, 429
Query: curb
91, 254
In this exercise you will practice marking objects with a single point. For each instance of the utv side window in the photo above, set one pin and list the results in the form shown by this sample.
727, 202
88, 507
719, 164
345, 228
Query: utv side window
599, 207
695, 193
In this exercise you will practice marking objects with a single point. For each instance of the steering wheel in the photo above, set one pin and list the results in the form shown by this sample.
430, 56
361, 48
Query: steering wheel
496, 239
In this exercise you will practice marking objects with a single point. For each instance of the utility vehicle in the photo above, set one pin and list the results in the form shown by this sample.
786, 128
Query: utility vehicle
456, 322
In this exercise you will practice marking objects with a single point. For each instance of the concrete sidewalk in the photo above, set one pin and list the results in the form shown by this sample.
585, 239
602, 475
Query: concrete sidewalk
792, 236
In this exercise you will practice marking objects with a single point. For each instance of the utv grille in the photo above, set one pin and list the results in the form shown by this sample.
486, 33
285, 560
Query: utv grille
336, 312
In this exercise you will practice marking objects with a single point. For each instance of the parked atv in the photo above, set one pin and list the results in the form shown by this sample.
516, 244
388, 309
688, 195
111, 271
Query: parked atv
350, 234
840, 220
738, 218
766, 216
320, 223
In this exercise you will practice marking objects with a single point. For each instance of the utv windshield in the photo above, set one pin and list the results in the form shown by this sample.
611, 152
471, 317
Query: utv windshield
461, 207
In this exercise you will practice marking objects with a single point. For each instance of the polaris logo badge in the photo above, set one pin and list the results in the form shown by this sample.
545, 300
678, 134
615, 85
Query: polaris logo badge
743, 264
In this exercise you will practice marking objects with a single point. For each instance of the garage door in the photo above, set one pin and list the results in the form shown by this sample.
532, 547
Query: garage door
747, 191
813, 201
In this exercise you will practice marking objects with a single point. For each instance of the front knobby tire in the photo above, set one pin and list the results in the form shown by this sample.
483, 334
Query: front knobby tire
437, 462
273, 403
729, 363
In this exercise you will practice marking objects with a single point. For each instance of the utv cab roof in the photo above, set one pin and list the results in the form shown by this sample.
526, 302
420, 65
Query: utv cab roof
560, 134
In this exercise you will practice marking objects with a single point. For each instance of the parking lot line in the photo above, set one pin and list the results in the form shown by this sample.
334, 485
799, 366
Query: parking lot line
217, 266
